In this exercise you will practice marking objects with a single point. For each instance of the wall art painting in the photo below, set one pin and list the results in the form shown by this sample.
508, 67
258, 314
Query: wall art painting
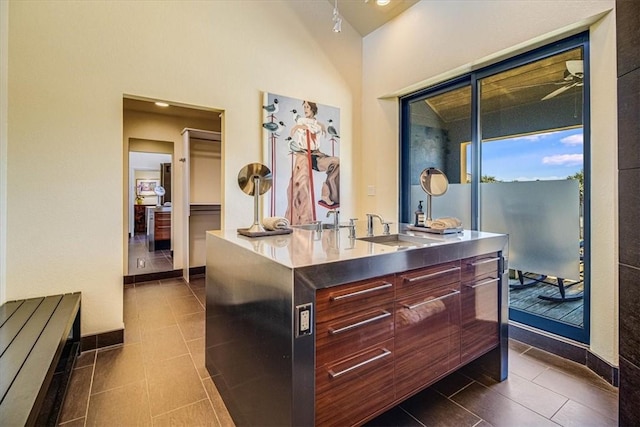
146, 187
302, 149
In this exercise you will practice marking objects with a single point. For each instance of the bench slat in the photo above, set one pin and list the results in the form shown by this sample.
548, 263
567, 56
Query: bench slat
31, 383
7, 309
16, 322
14, 357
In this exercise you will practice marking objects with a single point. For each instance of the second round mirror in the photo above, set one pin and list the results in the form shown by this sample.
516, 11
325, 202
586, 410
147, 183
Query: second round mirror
434, 182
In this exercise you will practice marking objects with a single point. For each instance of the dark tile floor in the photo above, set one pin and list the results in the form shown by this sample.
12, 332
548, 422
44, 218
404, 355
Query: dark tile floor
158, 378
143, 261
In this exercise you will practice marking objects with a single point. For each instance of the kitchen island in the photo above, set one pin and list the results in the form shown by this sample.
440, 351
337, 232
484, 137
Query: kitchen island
317, 328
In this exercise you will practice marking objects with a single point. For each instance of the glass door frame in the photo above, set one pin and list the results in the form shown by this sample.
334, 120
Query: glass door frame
473, 79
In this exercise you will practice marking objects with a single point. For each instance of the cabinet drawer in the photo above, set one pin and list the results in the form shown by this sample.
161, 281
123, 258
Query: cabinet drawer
427, 338
480, 327
482, 265
162, 233
341, 337
358, 296
430, 277
350, 390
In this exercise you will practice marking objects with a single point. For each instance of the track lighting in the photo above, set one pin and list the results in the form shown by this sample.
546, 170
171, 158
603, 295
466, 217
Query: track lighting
337, 20
380, 2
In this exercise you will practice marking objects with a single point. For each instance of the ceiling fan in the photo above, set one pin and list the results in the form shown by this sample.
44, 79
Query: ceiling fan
573, 76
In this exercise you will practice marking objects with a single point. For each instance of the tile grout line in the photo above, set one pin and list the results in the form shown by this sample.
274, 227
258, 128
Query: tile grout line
93, 373
202, 380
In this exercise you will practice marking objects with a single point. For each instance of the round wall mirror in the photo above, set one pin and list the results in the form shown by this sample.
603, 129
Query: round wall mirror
434, 182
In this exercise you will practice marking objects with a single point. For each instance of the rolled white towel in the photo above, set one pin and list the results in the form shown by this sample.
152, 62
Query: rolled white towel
273, 223
445, 223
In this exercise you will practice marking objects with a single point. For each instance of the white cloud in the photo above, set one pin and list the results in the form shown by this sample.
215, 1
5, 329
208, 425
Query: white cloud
573, 140
563, 159
534, 137
538, 178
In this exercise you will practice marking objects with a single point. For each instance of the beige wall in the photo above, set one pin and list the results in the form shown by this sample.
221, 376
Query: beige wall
436, 40
72, 62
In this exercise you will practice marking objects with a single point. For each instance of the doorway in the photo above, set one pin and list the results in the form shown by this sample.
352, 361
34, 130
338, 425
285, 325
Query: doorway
153, 217
150, 251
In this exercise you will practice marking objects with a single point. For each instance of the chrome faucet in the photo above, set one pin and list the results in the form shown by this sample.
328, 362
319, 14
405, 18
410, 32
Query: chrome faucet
370, 223
336, 218
352, 228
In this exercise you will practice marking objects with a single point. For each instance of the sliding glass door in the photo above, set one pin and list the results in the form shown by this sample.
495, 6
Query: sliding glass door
513, 141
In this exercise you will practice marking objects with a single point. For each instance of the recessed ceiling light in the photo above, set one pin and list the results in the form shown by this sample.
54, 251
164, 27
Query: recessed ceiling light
162, 104
383, 2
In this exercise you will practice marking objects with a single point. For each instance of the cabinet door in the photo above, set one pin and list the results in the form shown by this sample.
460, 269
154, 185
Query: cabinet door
429, 277
351, 389
163, 226
480, 328
341, 337
347, 299
427, 337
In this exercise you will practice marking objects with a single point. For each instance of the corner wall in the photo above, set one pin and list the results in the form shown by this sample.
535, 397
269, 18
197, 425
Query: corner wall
628, 31
70, 65
437, 40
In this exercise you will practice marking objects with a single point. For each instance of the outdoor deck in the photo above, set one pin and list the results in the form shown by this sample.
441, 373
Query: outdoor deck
526, 299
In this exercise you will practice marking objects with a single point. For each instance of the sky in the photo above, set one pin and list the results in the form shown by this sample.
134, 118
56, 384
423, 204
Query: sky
545, 156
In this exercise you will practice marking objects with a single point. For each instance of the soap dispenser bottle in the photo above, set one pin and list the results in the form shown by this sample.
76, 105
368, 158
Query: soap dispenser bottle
419, 219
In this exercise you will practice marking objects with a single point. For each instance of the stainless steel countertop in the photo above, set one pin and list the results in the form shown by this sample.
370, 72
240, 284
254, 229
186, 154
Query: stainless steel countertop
304, 248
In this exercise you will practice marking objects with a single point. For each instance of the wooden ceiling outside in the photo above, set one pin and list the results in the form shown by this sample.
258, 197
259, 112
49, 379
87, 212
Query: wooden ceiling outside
522, 85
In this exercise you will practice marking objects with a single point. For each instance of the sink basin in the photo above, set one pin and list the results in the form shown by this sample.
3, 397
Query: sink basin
400, 240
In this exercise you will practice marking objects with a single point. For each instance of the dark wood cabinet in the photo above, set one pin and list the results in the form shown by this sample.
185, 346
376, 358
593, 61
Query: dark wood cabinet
140, 219
162, 226
351, 389
159, 232
427, 326
479, 290
382, 340
354, 350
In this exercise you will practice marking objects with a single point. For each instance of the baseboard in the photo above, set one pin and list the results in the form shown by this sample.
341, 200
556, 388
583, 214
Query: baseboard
197, 271
149, 277
565, 348
105, 339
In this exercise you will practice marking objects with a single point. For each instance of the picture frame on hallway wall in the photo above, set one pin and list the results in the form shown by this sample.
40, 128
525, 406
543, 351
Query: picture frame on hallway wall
146, 187
301, 146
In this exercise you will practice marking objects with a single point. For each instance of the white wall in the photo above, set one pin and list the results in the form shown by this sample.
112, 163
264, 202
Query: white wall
435, 40
70, 65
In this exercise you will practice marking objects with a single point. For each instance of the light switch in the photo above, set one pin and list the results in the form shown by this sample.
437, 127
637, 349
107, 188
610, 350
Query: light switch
371, 190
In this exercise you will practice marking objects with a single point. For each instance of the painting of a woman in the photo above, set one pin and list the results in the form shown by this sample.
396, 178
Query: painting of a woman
312, 175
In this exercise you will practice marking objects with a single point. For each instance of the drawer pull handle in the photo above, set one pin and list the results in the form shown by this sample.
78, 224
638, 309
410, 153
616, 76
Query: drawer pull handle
364, 291
420, 304
382, 315
486, 282
484, 261
384, 353
430, 275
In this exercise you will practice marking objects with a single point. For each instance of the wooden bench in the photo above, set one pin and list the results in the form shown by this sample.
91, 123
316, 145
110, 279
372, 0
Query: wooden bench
39, 341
